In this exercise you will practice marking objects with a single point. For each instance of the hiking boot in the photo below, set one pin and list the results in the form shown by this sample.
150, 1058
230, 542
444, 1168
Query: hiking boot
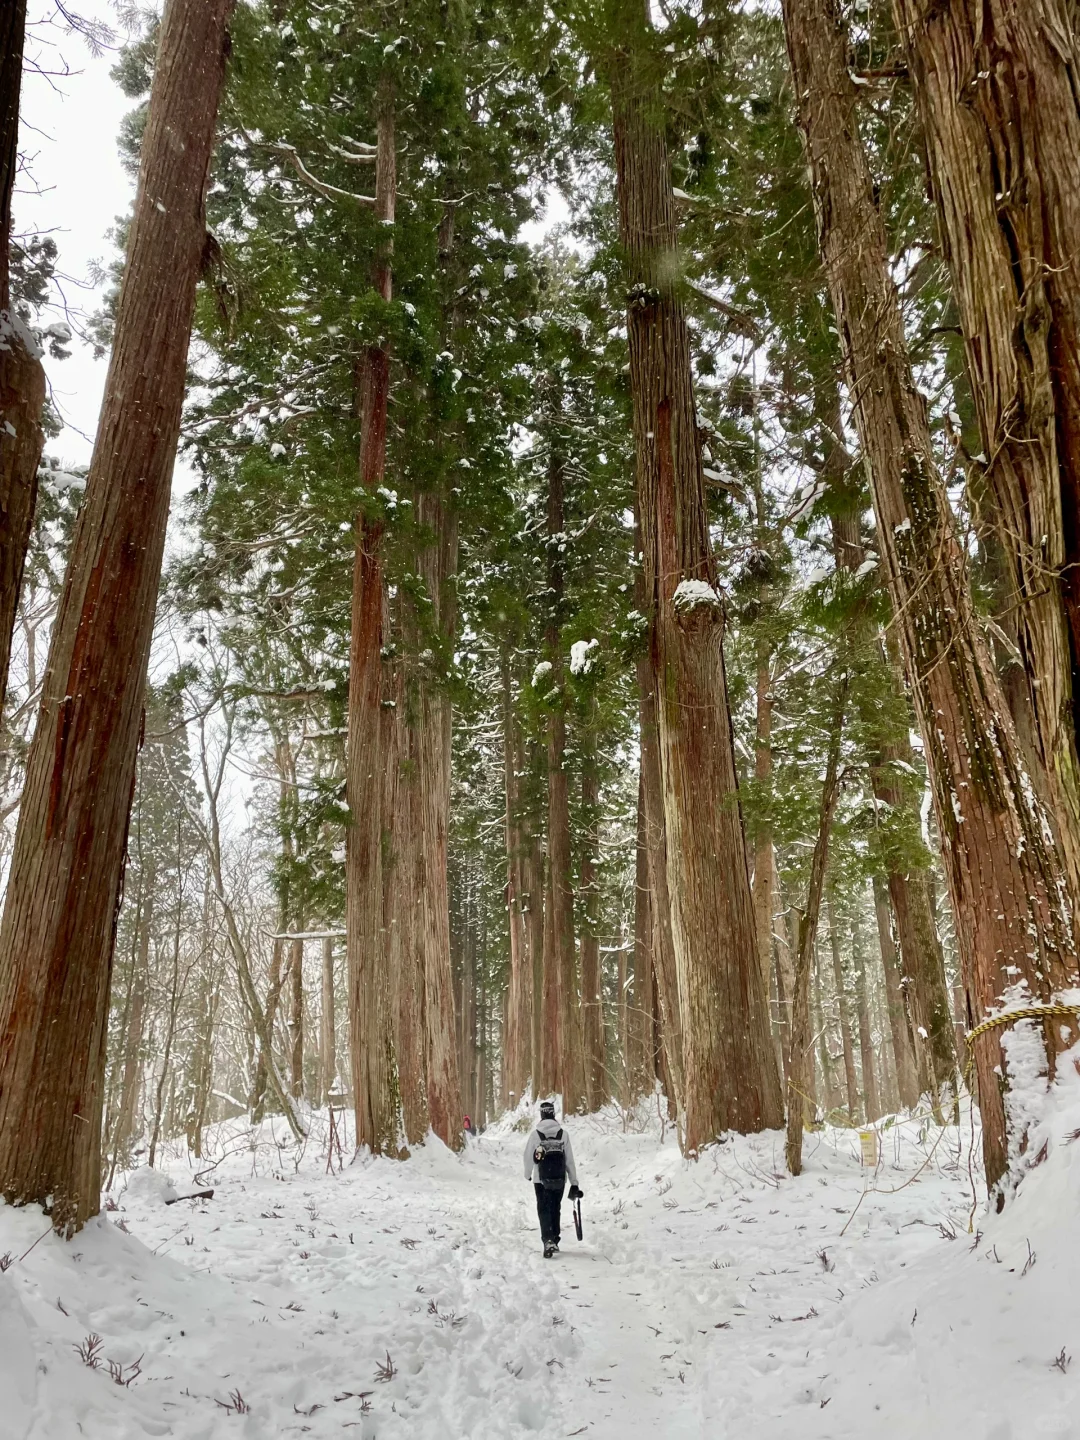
549, 1250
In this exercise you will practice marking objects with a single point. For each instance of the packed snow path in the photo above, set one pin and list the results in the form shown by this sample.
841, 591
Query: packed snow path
394, 1301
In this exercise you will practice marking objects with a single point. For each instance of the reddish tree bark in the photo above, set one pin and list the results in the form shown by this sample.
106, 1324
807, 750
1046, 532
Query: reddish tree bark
843, 1011
997, 84
730, 1076
667, 1047
899, 1029
56, 941
437, 563
22, 380
561, 991
1007, 884
801, 1060
764, 859
518, 1045
370, 1002
592, 1013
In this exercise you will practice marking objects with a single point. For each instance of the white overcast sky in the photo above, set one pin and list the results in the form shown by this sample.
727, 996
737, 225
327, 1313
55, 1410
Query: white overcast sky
75, 188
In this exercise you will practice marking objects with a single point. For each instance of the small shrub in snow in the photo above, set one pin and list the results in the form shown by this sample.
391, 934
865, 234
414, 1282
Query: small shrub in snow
235, 1405
89, 1350
386, 1369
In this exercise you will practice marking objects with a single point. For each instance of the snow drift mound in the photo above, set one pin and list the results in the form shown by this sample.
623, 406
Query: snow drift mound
978, 1339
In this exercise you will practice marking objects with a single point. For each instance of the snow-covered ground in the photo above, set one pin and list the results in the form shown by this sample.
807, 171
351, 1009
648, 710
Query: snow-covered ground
716, 1299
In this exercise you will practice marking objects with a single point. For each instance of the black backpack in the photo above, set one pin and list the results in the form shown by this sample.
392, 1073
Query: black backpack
550, 1157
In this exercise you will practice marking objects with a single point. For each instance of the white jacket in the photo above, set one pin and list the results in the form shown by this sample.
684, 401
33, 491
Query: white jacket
547, 1130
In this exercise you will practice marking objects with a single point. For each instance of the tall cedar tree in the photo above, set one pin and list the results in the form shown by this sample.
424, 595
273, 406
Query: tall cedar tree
370, 1017
56, 941
1005, 879
729, 1068
22, 379
997, 84
758, 235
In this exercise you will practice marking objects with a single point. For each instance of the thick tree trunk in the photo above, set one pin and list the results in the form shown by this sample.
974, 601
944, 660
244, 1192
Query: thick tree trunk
830, 1089
405, 886
202, 1063
551, 1046
327, 1023
843, 1011
370, 1003
899, 1026
22, 380
265, 1058
801, 1063
923, 962
998, 88
925, 989
123, 1129
535, 930
518, 1042
921, 956
871, 1101
592, 1012
296, 1014
785, 987
764, 860
562, 957
1008, 887
625, 1091
641, 1023
730, 1076
59, 923
668, 1021
437, 565
165, 1076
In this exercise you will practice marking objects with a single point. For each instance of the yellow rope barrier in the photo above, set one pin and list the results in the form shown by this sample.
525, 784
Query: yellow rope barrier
1029, 1012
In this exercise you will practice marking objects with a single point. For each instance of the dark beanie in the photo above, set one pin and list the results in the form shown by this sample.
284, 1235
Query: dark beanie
547, 1109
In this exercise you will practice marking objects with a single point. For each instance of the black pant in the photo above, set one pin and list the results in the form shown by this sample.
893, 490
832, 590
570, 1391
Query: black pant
549, 1208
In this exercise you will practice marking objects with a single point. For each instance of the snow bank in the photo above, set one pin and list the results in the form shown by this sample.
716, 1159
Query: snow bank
717, 1298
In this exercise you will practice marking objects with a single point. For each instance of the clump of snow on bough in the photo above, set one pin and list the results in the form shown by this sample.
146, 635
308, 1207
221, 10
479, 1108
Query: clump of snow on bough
691, 595
581, 656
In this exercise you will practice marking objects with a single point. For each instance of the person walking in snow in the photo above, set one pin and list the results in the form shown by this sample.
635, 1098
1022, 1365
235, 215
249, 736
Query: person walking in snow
549, 1163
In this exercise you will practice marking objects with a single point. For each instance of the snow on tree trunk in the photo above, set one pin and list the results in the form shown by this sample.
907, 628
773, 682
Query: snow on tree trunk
1006, 879
56, 941
730, 1077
